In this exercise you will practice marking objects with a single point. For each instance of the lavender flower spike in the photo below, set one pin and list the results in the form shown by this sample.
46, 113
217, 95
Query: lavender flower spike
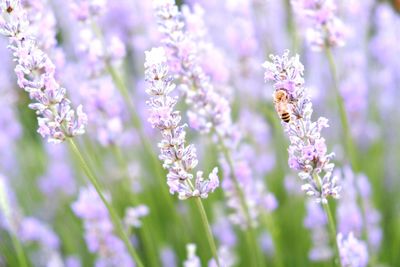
324, 28
307, 150
353, 252
35, 72
178, 159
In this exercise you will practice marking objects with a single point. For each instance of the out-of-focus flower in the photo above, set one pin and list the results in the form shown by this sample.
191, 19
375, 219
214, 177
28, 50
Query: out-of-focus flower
99, 51
133, 215
317, 223
307, 150
168, 257
353, 252
324, 28
35, 72
83, 10
59, 177
356, 213
192, 259
99, 232
178, 159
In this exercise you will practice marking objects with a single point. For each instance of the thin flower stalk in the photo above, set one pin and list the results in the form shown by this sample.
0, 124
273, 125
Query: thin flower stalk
114, 217
179, 159
307, 149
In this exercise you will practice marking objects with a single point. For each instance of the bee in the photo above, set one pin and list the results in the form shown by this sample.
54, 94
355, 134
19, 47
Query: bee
281, 102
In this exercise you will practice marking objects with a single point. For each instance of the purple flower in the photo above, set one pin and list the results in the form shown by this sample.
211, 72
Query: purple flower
99, 232
35, 72
178, 159
317, 222
133, 215
353, 252
324, 28
33, 230
168, 257
307, 149
192, 259
353, 218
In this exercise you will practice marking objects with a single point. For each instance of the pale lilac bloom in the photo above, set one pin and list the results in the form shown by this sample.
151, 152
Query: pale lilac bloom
59, 177
83, 10
11, 129
317, 223
223, 231
73, 261
168, 257
33, 230
134, 214
324, 28
104, 104
226, 258
353, 252
192, 259
266, 243
307, 149
99, 232
57, 120
178, 158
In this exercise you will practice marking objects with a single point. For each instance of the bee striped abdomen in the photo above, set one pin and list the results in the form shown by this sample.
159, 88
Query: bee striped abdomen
285, 117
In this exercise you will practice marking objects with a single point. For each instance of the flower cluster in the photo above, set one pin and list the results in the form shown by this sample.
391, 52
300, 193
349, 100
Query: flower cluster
99, 235
83, 10
208, 109
103, 102
178, 159
35, 72
307, 150
325, 29
353, 252
356, 213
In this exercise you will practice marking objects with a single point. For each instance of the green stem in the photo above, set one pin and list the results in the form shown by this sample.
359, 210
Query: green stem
18, 248
146, 235
331, 221
250, 235
332, 230
349, 144
207, 229
275, 234
114, 217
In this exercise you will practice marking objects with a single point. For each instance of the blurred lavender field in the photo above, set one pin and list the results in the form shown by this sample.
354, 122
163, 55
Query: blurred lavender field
199, 133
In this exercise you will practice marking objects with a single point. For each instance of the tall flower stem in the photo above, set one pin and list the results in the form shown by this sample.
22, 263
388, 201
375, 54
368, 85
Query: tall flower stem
119, 83
269, 222
331, 224
19, 250
250, 235
349, 144
350, 147
332, 229
114, 217
207, 229
146, 235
